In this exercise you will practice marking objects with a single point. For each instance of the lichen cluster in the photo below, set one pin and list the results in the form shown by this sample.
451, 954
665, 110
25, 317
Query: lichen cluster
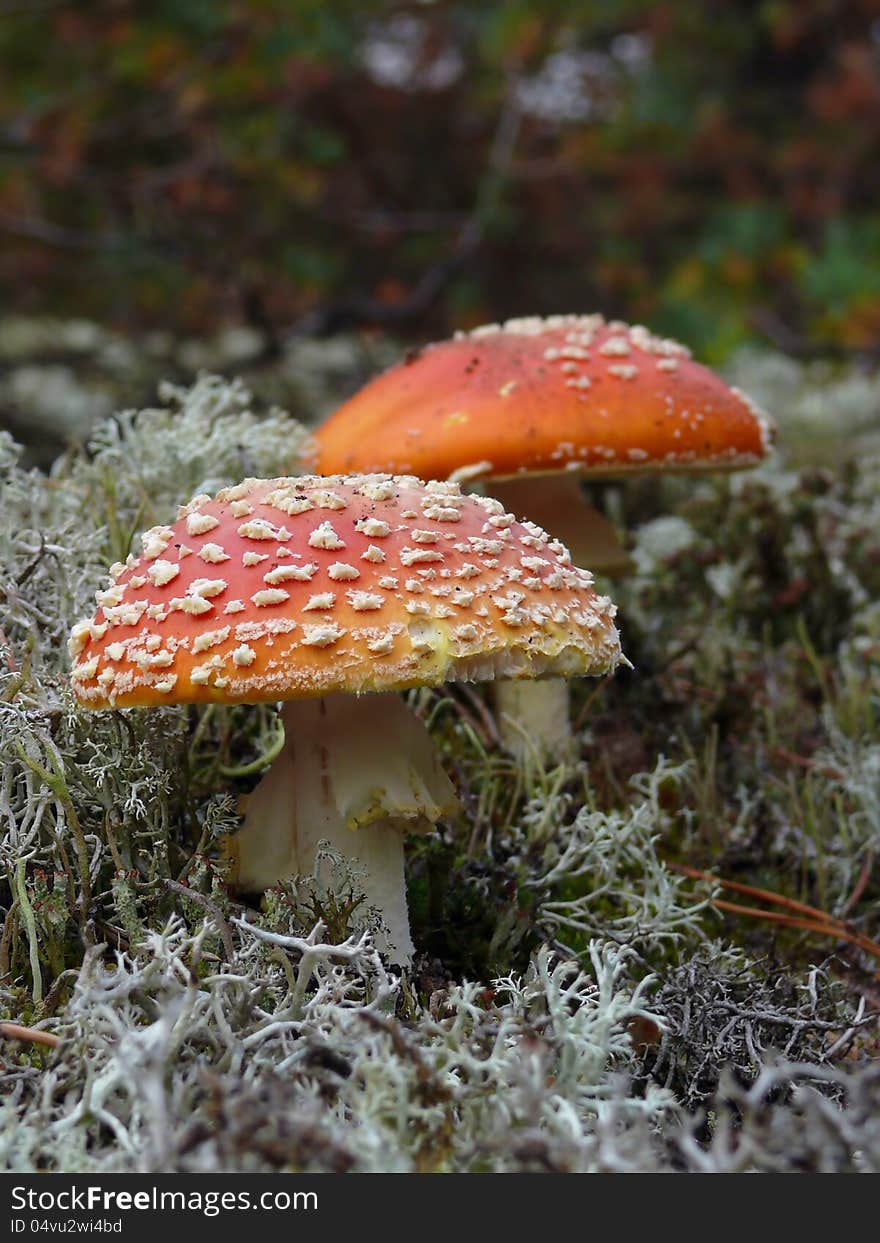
577, 1004
59, 378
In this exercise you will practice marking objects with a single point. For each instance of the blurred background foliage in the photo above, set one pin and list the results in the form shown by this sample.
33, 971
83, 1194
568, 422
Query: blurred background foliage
296, 165
292, 192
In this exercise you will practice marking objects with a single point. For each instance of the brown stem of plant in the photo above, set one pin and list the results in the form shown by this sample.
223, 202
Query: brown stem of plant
213, 910
862, 882
781, 917
804, 761
489, 735
752, 891
30, 1035
587, 705
793, 915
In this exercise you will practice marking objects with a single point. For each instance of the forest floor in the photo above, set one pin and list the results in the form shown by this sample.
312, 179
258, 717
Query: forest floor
579, 1002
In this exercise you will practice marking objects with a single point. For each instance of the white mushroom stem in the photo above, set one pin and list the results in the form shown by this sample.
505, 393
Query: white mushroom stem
357, 772
533, 717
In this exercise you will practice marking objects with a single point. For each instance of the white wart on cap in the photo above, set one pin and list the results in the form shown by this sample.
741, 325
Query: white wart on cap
300, 587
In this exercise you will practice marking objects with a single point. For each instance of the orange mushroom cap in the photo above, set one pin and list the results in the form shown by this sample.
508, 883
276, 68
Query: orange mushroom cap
299, 587
565, 393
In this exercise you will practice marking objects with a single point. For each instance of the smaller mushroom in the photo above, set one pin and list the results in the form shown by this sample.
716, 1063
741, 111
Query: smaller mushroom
332, 594
530, 408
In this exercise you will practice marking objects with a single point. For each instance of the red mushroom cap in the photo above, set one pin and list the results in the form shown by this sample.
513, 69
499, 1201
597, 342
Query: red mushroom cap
564, 393
288, 588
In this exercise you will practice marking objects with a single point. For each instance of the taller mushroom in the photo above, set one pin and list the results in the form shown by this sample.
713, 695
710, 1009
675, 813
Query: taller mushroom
533, 406
317, 591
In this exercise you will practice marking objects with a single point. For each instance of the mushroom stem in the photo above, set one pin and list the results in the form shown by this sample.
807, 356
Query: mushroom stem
356, 772
533, 718
558, 504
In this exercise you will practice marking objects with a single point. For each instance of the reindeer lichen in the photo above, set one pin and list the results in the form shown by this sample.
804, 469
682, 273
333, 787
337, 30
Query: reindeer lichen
578, 1004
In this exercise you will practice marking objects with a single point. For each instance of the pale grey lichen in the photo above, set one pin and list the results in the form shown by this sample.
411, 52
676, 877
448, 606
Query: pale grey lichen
167, 1059
820, 406
202, 438
63, 376
577, 1005
624, 891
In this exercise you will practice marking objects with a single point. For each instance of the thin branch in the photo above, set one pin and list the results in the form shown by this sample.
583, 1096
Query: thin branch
794, 914
29, 1035
788, 341
45, 231
861, 883
345, 313
213, 910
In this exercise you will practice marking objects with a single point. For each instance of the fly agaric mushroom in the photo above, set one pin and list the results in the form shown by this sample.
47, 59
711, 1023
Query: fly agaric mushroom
533, 406
316, 590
